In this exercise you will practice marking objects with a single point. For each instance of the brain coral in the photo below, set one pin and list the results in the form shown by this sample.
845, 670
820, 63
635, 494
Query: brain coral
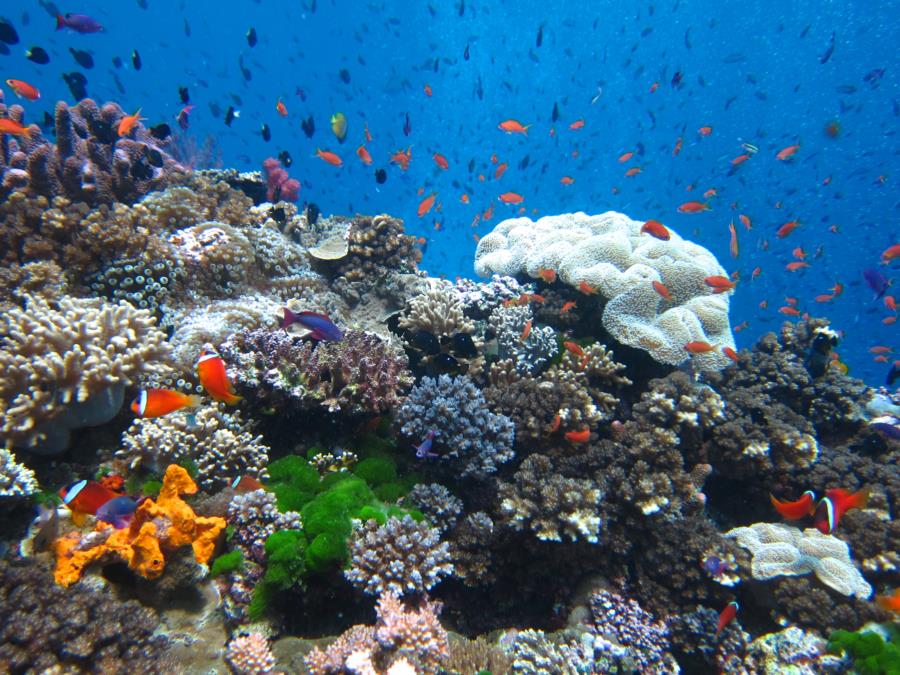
609, 253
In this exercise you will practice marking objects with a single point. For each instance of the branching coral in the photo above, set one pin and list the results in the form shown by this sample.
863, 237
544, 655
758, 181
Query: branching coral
219, 443
469, 436
400, 557
250, 655
528, 346
65, 364
549, 504
438, 504
438, 309
609, 253
360, 374
16, 480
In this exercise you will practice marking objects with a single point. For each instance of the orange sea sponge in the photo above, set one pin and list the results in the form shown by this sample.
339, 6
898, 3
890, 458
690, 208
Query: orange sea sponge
157, 526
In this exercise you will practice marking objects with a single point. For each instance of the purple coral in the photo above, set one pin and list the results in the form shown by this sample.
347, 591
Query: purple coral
89, 162
278, 184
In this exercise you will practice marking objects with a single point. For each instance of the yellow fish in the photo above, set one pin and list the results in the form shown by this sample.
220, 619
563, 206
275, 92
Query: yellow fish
339, 126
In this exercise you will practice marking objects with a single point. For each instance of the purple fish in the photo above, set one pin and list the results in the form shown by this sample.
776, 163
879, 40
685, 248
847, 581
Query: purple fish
423, 450
80, 23
715, 566
876, 281
118, 511
319, 325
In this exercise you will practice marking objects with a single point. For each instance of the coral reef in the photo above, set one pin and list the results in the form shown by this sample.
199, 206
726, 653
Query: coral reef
16, 480
400, 557
528, 346
780, 549
250, 655
89, 162
218, 443
790, 650
65, 365
81, 629
378, 247
466, 434
609, 254
159, 525
441, 508
438, 309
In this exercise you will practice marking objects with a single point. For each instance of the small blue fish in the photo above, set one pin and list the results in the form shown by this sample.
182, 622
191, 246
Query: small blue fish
423, 450
876, 281
319, 325
118, 512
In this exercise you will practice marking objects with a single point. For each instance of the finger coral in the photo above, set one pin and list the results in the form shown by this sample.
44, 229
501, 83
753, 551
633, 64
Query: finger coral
65, 364
158, 526
608, 254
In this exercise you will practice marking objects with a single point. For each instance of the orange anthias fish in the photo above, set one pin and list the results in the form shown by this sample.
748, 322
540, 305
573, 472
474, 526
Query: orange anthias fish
427, 90
693, 207
655, 229
799, 253
789, 311
281, 108
158, 402
401, 158
582, 436
330, 157
745, 221
214, 379
426, 204
568, 306
698, 347
730, 353
24, 90
624, 158
890, 603
796, 265
733, 245
890, 253
787, 228
835, 504
128, 123
548, 274
513, 127
501, 169
633, 171
364, 155
586, 288
787, 153
574, 347
13, 128
719, 284
677, 147
566, 180
797, 509
660, 288
577, 124
511, 198
740, 159
526, 331
705, 131
441, 161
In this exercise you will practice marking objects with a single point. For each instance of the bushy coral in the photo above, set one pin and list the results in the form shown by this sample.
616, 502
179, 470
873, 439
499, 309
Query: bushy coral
401, 557
65, 364
377, 247
467, 435
16, 480
218, 443
250, 655
439, 505
528, 346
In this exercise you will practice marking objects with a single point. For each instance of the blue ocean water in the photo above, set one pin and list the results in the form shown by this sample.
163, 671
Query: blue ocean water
641, 76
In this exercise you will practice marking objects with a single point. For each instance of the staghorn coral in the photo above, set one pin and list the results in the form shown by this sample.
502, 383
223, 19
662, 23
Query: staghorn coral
65, 364
16, 480
438, 504
549, 504
362, 373
250, 655
89, 162
400, 557
780, 549
84, 629
159, 525
219, 443
609, 253
401, 633
528, 346
473, 439
378, 247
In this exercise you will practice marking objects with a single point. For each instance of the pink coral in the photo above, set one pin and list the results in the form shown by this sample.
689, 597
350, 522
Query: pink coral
278, 184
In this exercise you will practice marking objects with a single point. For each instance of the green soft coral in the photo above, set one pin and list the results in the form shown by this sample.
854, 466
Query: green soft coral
870, 652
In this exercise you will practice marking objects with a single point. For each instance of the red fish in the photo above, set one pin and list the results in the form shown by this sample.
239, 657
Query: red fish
441, 161
526, 331
547, 274
402, 159
511, 198
582, 436
13, 128
727, 616
745, 221
586, 288
835, 504
890, 253
624, 158
661, 289
566, 180
890, 603
212, 375
740, 159
693, 207
787, 153
787, 228
281, 108
247, 484
24, 90
128, 123
574, 347
677, 147
513, 127
705, 131
796, 265
568, 306
633, 171
730, 353
330, 157
500, 170
86, 496
159, 402
698, 347
426, 204
797, 509
577, 124
733, 245
364, 155
655, 229
719, 284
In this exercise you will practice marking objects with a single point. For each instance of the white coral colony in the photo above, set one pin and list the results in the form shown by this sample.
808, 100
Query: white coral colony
609, 253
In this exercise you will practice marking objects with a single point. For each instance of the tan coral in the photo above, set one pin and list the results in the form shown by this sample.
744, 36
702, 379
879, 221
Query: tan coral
439, 310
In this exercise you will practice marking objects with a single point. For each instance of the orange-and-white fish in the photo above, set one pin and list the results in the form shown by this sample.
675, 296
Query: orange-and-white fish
24, 90
797, 509
128, 123
214, 379
158, 402
835, 504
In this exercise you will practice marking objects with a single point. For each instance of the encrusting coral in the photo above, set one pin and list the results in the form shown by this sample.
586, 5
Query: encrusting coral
159, 525
609, 254
65, 364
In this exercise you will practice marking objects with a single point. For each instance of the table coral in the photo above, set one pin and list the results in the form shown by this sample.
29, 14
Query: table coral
400, 557
65, 364
780, 549
159, 525
218, 443
608, 253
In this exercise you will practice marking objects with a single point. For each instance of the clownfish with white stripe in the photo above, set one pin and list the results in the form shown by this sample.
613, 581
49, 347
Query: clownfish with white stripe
835, 504
85, 497
212, 375
159, 402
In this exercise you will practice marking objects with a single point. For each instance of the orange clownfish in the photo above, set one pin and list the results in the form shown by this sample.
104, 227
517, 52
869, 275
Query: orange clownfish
719, 284
127, 123
330, 157
364, 155
834, 505
655, 229
513, 127
159, 402
797, 509
698, 347
214, 379
24, 90
582, 436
